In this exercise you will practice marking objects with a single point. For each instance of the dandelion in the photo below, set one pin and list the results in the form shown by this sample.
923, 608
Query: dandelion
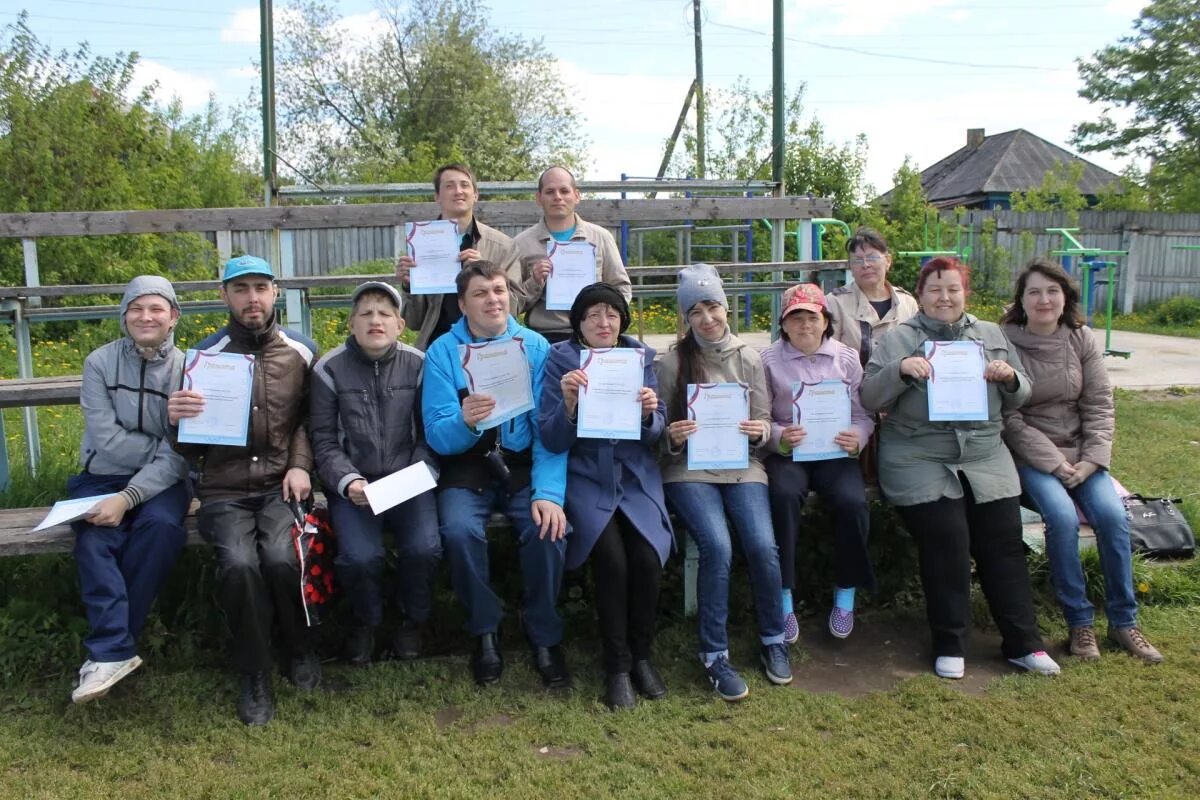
1143, 587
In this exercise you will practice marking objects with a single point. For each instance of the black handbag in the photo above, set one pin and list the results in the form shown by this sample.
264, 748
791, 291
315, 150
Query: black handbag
1157, 528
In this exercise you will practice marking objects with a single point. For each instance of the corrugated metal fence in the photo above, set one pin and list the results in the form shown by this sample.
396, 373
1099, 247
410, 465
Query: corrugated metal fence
1153, 270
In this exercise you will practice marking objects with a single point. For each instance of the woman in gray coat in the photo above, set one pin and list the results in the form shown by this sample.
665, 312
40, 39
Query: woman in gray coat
954, 483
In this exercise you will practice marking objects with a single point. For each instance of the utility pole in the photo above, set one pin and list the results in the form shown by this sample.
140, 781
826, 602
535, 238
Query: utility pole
699, 89
777, 101
267, 48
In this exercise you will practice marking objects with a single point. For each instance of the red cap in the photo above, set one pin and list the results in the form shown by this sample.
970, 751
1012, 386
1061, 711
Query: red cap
807, 296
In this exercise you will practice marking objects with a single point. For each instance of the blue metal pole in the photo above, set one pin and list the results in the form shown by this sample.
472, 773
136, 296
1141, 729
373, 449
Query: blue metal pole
624, 230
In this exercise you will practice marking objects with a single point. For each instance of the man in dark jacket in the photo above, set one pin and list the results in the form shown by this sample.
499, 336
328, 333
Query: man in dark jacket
128, 542
244, 491
366, 424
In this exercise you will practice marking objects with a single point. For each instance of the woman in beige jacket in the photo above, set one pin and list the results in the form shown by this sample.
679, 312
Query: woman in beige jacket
1062, 442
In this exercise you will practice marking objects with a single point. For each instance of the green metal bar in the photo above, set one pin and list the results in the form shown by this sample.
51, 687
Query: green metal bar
1066, 234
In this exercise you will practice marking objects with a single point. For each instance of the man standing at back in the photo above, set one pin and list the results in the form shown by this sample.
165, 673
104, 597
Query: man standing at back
558, 196
454, 190
244, 491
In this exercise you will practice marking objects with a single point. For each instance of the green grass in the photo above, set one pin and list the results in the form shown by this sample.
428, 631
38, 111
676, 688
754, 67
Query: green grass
1112, 729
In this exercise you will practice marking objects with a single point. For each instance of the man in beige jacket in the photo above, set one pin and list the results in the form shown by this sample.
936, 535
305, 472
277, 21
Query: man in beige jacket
456, 194
558, 196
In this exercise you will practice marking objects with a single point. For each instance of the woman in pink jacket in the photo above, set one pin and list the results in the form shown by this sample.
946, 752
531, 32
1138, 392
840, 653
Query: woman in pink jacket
805, 356
1061, 440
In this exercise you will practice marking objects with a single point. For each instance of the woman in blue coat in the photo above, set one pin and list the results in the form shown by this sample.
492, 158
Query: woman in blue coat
615, 500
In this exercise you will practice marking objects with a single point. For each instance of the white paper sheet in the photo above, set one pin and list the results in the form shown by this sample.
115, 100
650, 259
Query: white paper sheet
392, 490
70, 510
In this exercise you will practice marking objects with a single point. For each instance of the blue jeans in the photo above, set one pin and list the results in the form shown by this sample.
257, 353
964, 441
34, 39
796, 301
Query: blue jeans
1103, 509
464, 515
360, 557
702, 507
121, 568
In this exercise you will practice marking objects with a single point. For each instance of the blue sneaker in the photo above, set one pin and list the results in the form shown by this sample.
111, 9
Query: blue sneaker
726, 681
775, 663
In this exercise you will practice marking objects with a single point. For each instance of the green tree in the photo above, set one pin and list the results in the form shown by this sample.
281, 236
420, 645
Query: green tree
1149, 86
75, 137
1059, 191
437, 83
905, 221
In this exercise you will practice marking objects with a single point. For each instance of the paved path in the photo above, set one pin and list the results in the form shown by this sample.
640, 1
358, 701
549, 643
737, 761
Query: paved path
1157, 362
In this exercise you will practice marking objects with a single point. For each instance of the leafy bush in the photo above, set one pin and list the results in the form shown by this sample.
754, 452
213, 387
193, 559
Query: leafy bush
1181, 310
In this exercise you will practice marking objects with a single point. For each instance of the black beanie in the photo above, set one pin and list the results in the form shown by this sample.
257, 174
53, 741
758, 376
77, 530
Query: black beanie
593, 295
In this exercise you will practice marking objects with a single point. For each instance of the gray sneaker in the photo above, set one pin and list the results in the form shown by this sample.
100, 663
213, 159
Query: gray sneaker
97, 677
775, 663
1083, 645
1132, 641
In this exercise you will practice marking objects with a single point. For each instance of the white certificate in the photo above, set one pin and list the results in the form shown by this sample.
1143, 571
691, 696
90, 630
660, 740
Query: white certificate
718, 408
609, 407
404, 484
70, 510
227, 382
434, 246
824, 411
956, 388
573, 268
501, 371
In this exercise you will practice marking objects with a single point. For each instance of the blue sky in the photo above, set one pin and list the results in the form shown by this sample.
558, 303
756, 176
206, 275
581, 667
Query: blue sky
871, 66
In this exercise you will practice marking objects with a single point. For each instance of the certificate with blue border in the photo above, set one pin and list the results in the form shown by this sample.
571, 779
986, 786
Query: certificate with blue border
718, 408
956, 389
823, 409
226, 380
609, 407
500, 370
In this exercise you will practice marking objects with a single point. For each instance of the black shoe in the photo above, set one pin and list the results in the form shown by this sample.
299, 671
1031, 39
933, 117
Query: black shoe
360, 645
256, 706
406, 641
618, 691
487, 663
552, 666
305, 671
647, 680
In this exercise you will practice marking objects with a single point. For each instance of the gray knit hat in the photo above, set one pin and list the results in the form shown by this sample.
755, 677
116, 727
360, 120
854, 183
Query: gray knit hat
699, 282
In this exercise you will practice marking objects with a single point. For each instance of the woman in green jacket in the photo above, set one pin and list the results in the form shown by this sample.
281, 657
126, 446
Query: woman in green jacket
954, 483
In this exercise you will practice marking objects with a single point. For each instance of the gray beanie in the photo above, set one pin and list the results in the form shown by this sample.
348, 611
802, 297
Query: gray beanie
143, 285
699, 282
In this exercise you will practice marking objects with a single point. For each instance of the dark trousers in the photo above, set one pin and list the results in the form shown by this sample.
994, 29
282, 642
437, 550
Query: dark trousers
839, 483
949, 533
121, 568
360, 558
627, 570
258, 576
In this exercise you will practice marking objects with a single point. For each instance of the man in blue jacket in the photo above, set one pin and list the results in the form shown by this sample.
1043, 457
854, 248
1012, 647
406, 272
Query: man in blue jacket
505, 468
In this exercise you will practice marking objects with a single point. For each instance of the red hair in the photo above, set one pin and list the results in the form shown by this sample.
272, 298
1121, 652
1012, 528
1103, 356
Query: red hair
941, 264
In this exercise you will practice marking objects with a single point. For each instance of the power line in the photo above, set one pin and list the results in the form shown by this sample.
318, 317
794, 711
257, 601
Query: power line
169, 9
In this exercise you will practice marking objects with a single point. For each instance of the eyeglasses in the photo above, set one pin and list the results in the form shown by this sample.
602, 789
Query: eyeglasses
874, 259
597, 317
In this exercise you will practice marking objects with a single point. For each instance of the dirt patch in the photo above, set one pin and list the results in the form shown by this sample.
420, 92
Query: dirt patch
558, 752
494, 721
879, 655
445, 717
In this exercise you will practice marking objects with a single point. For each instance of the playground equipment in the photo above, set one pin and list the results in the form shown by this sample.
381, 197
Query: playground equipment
931, 247
1090, 262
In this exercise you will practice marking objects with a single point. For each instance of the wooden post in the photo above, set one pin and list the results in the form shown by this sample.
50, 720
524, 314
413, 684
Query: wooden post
224, 246
1129, 270
32, 276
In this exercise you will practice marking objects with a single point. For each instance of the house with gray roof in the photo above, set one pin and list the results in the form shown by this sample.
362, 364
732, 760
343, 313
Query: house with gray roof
985, 172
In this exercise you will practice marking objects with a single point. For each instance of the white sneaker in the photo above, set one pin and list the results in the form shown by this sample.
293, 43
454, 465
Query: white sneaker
97, 677
1039, 662
952, 667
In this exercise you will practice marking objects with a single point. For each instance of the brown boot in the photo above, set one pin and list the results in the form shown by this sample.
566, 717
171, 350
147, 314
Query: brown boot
1133, 642
1083, 643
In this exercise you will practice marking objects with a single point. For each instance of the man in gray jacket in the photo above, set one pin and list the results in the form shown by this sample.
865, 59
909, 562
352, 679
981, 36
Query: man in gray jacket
129, 541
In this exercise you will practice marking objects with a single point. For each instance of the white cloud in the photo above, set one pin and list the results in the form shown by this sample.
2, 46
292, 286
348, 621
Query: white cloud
192, 90
244, 28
